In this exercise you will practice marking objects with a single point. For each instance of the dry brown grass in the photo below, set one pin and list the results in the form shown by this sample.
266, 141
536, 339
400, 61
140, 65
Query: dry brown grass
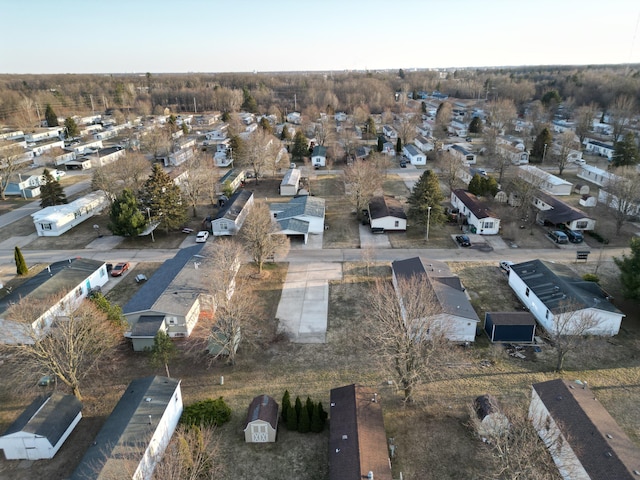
340, 218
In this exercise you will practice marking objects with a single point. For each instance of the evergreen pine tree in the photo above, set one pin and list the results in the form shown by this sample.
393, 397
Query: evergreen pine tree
51, 192
21, 265
399, 145
298, 408
629, 266
625, 152
309, 405
476, 125
71, 127
127, 219
317, 424
371, 126
475, 185
286, 404
300, 147
323, 415
426, 193
380, 144
285, 135
292, 419
541, 144
51, 117
304, 422
164, 199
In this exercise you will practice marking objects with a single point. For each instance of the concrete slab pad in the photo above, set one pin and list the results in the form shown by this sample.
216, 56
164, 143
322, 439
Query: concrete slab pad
106, 242
368, 239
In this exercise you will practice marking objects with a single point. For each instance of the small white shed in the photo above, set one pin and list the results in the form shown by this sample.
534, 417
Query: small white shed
290, 183
42, 428
261, 425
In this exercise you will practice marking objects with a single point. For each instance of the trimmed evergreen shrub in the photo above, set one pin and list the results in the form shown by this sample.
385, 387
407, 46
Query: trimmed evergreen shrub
286, 404
207, 413
292, 419
304, 423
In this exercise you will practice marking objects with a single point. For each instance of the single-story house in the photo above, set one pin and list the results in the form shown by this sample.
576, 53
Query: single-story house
233, 179
455, 314
357, 438
562, 302
46, 146
463, 154
44, 134
492, 422
388, 148
26, 187
290, 183
218, 133
600, 148
387, 213
55, 220
232, 215
319, 156
516, 153
423, 144
105, 156
294, 117
480, 218
389, 132
173, 299
70, 281
510, 327
87, 147
39, 432
415, 156
178, 157
596, 175
584, 440
300, 216
136, 434
545, 181
261, 425
555, 211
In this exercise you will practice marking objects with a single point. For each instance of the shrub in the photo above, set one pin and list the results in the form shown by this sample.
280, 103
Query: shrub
317, 423
591, 277
286, 404
597, 236
292, 419
304, 423
206, 413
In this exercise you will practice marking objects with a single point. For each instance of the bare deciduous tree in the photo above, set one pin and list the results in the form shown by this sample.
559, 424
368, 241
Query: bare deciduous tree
406, 127
403, 328
10, 157
622, 193
621, 112
502, 114
131, 170
260, 235
157, 142
584, 116
567, 144
258, 147
74, 346
362, 181
450, 167
197, 168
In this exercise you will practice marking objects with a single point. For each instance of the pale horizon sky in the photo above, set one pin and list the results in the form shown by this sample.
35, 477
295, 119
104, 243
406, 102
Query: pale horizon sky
158, 36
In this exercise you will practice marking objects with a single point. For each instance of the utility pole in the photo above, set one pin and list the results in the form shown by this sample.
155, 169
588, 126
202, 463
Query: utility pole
93, 110
295, 102
195, 108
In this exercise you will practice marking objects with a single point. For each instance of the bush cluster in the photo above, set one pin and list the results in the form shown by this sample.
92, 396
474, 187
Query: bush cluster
304, 418
597, 236
206, 413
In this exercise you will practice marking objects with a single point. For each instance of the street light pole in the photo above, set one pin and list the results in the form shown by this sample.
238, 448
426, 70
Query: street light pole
428, 221
149, 213
544, 152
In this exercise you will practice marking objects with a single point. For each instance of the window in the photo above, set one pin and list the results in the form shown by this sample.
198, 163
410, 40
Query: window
397, 223
488, 224
45, 226
546, 315
223, 226
527, 292
78, 292
581, 225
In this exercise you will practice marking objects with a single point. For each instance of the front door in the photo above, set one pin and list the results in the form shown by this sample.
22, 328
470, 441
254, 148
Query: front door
259, 433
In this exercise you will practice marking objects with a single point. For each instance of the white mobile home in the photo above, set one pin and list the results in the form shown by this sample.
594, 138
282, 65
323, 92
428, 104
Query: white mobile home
290, 183
386, 213
481, 218
230, 218
545, 181
600, 148
58, 219
319, 156
463, 154
415, 156
555, 211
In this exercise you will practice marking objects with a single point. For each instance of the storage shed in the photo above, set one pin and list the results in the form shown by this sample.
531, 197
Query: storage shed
511, 327
261, 425
39, 432
290, 183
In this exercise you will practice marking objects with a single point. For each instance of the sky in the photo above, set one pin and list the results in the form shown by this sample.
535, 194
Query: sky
158, 36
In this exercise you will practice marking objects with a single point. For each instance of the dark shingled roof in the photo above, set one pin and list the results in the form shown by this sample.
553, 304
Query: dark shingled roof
479, 209
587, 426
122, 439
147, 326
512, 318
319, 150
386, 206
48, 416
357, 439
265, 408
556, 285
560, 212
151, 290
235, 205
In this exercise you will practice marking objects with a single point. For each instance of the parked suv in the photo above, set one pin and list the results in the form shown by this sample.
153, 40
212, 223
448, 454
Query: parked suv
574, 235
558, 236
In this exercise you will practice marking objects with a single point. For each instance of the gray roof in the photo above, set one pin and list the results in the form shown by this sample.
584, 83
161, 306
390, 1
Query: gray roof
461, 149
602, 447
48, 416
413, 150
230, 176
512, 318
147, 326
479, 208
386, 206
297, 206
447, 288
319, 151
128, 430
235, 205
292, 177
557, 285
294, 224
560, 212
263, 407
151, 290
58, 278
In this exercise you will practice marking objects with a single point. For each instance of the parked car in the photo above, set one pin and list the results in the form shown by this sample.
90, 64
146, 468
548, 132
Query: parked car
463, 240
403, 164
558, 237
119, 268
574, 235
505, 265
202, 236
47, 380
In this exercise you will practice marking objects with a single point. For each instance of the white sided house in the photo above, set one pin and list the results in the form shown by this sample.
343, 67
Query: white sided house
583, 439
424, 144
174, 298
261, 425
230, 218
55, 220
134, 437
596, 175
463, 154
389, 132
319, 156
455, 317
69, 281
39, 432
599, 148
479, 216
513, 149
386, 213
290, 183
300, 216
562, 302
545, 181
415, 156
555, 211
